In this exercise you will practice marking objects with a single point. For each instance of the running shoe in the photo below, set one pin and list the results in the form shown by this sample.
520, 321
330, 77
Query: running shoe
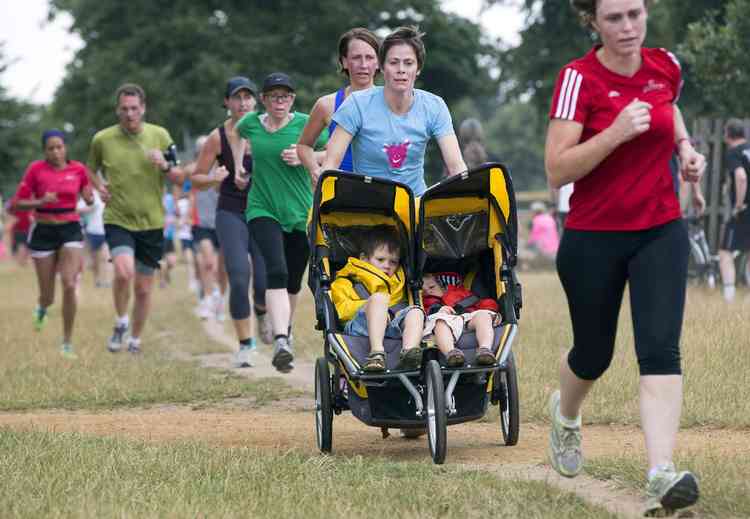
265, 334
245, 357
118, 337
669, 490
134, 348
66, 350
565, 453
40, 318
282, 354
204, 308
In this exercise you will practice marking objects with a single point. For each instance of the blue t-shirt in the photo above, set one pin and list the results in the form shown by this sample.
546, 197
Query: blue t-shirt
391, 146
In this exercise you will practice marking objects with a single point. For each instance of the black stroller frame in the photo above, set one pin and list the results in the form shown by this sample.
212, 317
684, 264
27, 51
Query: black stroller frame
344, 205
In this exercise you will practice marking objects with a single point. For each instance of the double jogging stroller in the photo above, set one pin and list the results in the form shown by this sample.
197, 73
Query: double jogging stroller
465, 224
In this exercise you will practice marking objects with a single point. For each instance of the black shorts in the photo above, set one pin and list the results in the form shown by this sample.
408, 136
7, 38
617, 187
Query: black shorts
204, 233
49, 237
737, 232
145, 246
168, 247
19, 238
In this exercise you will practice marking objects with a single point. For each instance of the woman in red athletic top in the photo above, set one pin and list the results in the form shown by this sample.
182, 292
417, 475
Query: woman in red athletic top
51, 188
614, 125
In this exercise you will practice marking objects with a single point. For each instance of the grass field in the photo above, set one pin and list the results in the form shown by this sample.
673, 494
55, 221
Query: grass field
73, 475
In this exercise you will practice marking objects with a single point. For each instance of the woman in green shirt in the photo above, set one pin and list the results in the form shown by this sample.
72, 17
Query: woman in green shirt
278, 204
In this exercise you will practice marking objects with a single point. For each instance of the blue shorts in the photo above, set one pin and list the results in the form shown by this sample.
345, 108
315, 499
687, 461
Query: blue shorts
358, 325
95, 240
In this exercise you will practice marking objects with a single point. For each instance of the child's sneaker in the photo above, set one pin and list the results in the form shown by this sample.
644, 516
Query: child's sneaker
564, 449
410, 359
669, 490
484, 357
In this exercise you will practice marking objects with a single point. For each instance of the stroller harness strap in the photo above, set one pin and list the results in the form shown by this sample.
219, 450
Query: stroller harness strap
363, 293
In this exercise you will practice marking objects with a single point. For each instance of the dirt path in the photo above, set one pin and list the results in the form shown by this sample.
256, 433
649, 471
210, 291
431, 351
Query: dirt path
289, 425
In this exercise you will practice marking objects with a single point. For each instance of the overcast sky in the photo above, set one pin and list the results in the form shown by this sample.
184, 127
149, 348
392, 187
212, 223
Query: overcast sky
39, 51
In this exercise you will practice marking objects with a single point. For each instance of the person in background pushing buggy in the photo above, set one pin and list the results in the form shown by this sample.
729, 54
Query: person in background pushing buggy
369, 294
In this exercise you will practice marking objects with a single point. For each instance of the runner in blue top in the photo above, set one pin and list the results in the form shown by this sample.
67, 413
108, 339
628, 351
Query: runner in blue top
389, 127
358, 61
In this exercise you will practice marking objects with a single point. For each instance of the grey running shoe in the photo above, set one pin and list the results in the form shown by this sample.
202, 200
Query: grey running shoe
118, 337
564, 449
669, 490
134, 348
265, 334
282, 354
245, 357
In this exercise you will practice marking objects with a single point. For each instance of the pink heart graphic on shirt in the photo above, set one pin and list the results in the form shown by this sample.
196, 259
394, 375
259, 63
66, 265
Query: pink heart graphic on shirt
396, 153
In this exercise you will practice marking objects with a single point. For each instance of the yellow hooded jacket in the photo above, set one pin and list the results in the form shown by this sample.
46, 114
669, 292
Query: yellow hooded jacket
348, 301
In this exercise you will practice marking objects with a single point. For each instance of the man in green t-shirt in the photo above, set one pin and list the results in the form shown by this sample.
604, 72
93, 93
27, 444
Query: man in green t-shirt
128, 162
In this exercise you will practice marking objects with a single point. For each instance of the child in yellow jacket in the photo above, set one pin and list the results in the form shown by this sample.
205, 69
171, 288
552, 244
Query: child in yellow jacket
369, 294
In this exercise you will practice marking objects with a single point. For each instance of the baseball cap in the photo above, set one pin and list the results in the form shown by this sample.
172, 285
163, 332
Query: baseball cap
277, 79
238, 83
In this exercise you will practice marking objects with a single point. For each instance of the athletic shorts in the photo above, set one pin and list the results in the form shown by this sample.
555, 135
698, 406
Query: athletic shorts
145, 246
204, 233
186, 244
358, 325
737, 232
19, 238
44, 238
168, 247
96, 240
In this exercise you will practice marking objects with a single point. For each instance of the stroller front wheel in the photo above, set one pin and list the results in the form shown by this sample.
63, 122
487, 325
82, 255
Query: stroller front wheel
437, 424
323, 407
509, 412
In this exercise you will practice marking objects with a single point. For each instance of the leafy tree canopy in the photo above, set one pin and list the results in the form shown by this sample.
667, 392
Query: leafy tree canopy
182, 52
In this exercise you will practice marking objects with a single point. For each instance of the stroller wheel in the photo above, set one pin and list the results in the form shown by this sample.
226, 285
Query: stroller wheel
509, 412
323, 407
437, 423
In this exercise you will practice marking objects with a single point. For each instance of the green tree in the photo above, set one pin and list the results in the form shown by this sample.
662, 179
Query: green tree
182, 52
718, 51
20, 124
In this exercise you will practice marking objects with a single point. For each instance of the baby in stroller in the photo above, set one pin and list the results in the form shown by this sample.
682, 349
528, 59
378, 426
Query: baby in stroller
369, 294
450, 309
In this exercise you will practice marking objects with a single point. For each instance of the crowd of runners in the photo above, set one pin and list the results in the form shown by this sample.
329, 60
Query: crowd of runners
239, 209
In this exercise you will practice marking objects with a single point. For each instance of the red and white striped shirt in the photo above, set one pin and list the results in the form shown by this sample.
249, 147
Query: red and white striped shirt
631, 189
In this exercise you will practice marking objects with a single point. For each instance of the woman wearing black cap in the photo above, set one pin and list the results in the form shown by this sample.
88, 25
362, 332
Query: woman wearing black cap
278, 204
51, 188
232, 230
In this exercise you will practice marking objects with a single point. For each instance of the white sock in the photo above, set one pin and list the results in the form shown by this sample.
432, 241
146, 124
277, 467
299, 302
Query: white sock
568, 422
123, 320
134, 341
728, 291
661, 466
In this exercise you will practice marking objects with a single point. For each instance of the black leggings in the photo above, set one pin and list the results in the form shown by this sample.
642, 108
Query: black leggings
594, 267
236, 242
285, 253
